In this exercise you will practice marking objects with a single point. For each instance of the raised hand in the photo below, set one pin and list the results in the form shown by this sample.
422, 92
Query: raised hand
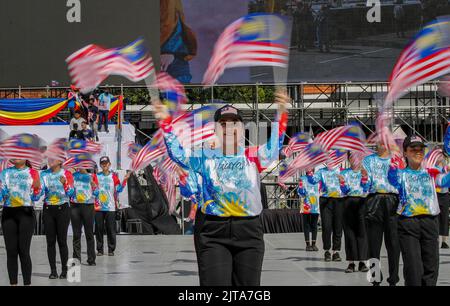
282, 99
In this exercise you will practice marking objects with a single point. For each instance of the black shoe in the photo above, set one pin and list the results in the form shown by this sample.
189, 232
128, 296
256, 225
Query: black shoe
351, 268
99, 253
362, 267
63, 275
53, 275
315, 248
91, 263
444, 245
327, 256
111, 254
336, 257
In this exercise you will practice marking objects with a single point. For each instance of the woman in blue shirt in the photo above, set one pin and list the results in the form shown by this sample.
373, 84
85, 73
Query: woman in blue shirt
418, 225
310, 210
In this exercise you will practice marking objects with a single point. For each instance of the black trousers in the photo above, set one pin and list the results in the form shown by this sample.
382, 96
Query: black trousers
382, 219
105, 220
18, 227
355, 229
310, 226
419, 243
331, 212
56, 224
230, 250
444, 201
82, 215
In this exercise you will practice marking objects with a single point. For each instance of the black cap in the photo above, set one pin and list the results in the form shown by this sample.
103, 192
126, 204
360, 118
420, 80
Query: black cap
104, 159
228, 112
412, 141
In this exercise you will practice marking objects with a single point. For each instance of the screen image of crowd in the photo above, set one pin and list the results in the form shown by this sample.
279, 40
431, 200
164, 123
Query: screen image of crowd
331, 41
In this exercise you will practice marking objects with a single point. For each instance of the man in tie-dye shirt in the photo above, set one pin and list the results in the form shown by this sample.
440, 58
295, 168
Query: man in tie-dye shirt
109, 186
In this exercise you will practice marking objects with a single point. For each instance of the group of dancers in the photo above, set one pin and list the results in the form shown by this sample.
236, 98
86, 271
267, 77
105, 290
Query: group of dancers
406, 204
78, 196
374, 198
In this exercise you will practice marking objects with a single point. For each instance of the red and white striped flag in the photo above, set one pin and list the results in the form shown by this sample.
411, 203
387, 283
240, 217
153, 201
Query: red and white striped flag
336, 158
312, 156
349, 137
253, 40
152, 150
427, 57
57, 149
91, 65
23, 146
432, 158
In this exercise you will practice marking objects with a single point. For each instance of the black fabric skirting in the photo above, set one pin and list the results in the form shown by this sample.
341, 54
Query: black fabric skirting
281, 221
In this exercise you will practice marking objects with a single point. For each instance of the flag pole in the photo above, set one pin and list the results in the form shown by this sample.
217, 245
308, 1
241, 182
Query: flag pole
119, 129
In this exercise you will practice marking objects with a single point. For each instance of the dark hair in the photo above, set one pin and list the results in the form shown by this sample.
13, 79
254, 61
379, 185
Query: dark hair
28, 164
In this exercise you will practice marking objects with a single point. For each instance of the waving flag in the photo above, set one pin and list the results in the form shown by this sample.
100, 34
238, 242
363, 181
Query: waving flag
91, 65
336, 158
80, 161
357, 157
195, 127
349, 137
150, 152
133, 149
253, 40
23, 146
310, 157
173, 93
427, 57
297, 143
57, 149
78, 146
432, 158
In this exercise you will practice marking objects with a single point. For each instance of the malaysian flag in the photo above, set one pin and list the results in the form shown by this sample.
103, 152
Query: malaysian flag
152, 150
312, 156
23, 146
57, 150
253, 40
337, 158
426, 57
356, 157
297, 143
349, 137
172, 92
384, 134
196, 127
79, 146
80, 161
133, 149
432, 158
91, 65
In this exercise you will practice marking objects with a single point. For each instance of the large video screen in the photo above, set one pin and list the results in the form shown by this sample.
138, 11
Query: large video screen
36, 36
331, 40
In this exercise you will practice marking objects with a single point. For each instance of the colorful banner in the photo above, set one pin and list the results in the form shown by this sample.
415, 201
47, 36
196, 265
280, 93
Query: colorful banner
29, 111
38, 111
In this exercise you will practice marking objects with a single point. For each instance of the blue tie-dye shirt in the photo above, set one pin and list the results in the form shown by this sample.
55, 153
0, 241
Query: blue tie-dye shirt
85, 193
109, 187
353, 186
330, 186
377, 170
54, 192
417, 191
16, 187
311, 195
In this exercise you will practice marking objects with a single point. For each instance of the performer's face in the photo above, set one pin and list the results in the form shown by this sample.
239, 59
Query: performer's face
105, 166
53, 163
381, 148
18, 163
230, 132
415, 155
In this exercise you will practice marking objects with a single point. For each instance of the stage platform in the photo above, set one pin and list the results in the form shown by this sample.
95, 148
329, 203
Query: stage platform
170, 260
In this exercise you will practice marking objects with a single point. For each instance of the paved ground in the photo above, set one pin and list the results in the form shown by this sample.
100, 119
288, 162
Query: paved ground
170, 260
